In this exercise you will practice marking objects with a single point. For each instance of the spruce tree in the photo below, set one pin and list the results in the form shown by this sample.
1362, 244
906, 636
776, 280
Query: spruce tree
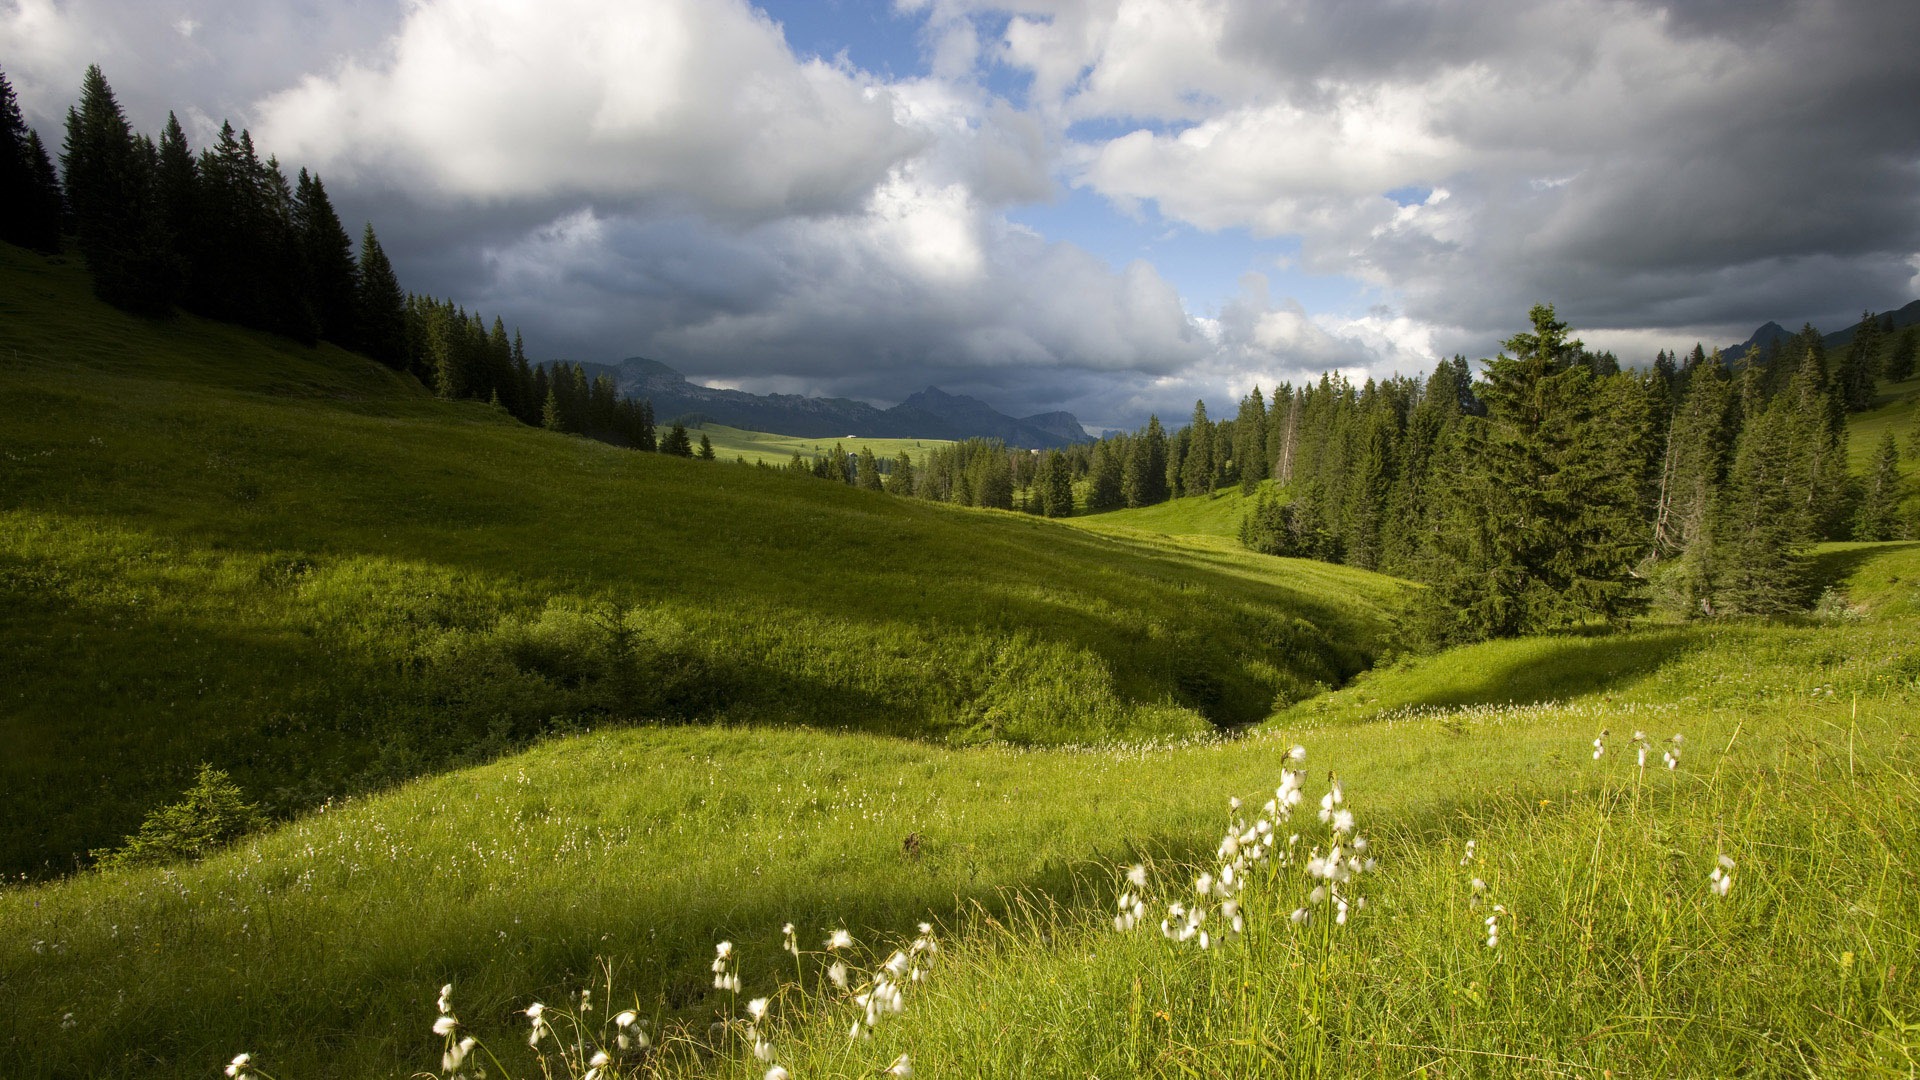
1545, 534
1860, 365
29, 204
1878, 517
1054, 485
1758, 550
109, 193
1815, 419
1250, 441
550, 417
1107, 490
327, 257
1900, 357
1144, 473
867, 471
676, 443
1196, 467
380, 308
900, 479
1700, 446
706, 448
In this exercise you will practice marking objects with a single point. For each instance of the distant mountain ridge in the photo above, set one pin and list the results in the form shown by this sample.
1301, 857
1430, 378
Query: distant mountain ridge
930, 414
1772, 332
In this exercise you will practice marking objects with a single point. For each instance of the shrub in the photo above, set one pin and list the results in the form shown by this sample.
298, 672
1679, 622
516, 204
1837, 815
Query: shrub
213, 814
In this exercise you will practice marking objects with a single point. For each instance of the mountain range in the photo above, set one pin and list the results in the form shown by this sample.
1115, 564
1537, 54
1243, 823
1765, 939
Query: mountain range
930, 414
1773, 332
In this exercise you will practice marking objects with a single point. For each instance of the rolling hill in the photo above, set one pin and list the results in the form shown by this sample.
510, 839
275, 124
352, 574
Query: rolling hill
297, 565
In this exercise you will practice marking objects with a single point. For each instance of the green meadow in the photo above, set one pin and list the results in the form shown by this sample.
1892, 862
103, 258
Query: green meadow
756, 447
533, 715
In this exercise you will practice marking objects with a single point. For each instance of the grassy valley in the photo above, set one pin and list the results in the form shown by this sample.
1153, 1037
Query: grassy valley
298, 566
530, 711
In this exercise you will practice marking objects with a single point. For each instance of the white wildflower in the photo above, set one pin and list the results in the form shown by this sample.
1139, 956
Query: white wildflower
839, 939
901, 1067
1722, 876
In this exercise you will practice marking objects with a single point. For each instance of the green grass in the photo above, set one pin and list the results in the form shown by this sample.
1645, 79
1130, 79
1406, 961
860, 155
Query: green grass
731, 444
318, 947
217, 546
1216, 515
297, 566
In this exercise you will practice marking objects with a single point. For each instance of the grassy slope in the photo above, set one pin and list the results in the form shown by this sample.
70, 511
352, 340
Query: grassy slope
318, 946
730, 443
292, 563
1215, 515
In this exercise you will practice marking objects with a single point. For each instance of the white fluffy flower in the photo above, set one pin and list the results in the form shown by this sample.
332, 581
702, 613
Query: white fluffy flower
839, 939
901, 1067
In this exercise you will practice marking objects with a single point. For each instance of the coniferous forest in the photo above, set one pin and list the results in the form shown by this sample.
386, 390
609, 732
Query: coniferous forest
225, 235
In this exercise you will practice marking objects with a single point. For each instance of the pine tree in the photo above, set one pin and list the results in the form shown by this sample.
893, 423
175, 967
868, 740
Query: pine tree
900, 479
550, 417
868, 471
1144, 473
1053, 484
380, 308
109, 192
1758, 551
706, 447
1250, 441
1878, 517
676, 443
1107, 491
1196, 467
1543, 533
1700, 446
1900, 357
28, 216
1860, 365
326, 255
1817, 437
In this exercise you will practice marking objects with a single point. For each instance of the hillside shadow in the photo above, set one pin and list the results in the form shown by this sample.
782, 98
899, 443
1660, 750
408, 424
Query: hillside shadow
1557, 669
1831, 568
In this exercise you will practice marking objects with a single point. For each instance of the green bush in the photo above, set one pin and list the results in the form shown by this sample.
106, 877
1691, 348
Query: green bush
213, 814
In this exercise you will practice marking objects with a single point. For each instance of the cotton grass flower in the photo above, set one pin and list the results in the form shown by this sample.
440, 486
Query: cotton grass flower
1493, 926
789, 943
901, 1067
838, 974
241, 1067
839, 939
725, 977
445, 1025
1722, 877
778, 1073
630, 1031
596, 1065
536, 1016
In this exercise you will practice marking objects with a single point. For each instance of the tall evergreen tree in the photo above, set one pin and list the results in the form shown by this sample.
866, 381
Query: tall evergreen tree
676, 443
1107, 490
867, 471
1758, 553
1250, 441
900, 479
1144, 473
1860, 365
706, 448
1878, 517
326, 252
1815, 419
30, 205
1196, 467
380, 308
1900, 357
109, 193
1545, 534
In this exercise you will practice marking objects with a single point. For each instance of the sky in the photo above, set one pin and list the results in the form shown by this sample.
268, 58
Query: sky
1113, 207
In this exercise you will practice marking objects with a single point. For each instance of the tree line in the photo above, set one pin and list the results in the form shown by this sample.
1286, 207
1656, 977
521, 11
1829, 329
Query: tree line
224, 234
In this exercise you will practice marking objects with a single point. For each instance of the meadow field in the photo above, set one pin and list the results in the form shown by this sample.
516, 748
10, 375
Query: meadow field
755, 447
532, 716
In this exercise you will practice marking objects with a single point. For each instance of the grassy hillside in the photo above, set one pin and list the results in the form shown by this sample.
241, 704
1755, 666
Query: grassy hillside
730, 444
318, 947
291, 563
1217, 514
